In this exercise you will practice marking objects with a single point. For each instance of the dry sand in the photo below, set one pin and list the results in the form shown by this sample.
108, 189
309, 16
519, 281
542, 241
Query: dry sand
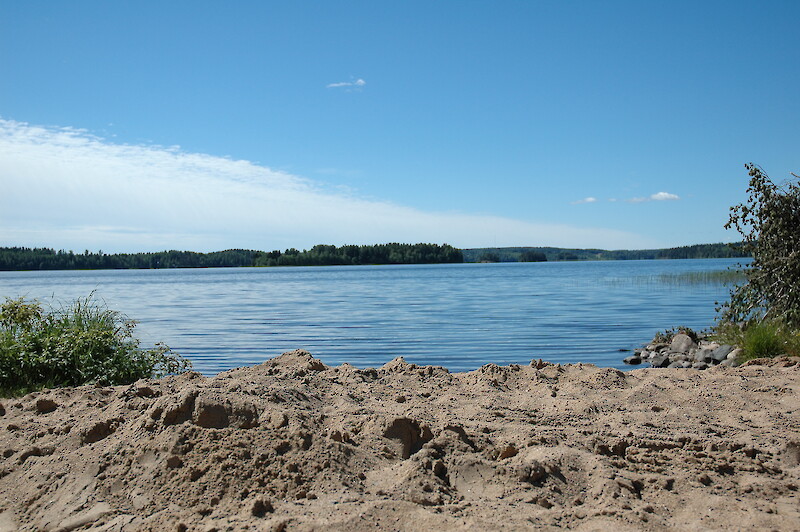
292, 444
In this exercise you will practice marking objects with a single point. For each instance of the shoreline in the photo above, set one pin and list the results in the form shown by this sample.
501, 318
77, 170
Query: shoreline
292, 444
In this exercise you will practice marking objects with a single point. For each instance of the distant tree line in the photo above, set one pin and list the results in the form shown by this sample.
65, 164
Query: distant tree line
21, 258
705, 251
526, 256
354, 255
531, 254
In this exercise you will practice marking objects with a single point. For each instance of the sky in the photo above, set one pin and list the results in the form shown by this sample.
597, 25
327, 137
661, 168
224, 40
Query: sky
144, 126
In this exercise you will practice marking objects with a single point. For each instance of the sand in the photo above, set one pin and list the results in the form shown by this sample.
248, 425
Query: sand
292, 444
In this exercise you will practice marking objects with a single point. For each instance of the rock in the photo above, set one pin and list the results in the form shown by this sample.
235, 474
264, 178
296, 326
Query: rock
682, 342
676, 364
735, 354
721, 353
700, 365
703, 355
729, 362
659, 361
632, 360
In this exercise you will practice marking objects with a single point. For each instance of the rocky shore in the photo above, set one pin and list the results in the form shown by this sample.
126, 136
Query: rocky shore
293, 444
684, 352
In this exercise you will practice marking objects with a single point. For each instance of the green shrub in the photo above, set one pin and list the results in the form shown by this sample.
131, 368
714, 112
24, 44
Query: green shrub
84, 343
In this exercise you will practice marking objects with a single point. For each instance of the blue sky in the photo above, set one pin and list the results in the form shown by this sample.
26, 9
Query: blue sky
140, 126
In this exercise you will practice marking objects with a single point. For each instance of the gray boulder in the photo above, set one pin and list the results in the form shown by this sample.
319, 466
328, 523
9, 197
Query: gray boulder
721, 353
657, 347
703, 355
659, 361
633, 360
682, 343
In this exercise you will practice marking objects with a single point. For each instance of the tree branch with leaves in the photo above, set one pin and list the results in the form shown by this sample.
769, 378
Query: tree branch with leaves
769, 222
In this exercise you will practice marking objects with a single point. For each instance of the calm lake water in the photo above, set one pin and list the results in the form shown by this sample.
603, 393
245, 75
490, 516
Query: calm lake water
460, 316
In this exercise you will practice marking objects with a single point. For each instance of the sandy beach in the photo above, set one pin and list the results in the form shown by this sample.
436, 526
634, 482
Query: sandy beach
292, 444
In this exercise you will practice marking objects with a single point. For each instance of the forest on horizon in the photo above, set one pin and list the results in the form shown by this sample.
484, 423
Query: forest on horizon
22, 258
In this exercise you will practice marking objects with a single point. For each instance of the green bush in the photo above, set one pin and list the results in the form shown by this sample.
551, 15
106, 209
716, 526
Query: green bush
85, 343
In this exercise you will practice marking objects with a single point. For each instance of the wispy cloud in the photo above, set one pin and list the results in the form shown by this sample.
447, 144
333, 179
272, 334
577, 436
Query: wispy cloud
658, 196
357, 84
66, 188
590, 199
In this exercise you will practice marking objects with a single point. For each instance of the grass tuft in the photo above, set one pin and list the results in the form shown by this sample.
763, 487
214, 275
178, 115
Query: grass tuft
760, 339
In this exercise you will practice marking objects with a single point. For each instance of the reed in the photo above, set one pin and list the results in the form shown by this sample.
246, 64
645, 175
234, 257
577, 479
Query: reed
725, 277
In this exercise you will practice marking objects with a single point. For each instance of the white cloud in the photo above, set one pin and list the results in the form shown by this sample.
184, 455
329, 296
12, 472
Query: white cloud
658, 196
590, 199
357, 84
65, 188
664, 196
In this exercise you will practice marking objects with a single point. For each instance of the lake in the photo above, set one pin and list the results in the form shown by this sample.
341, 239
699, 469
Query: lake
460, 316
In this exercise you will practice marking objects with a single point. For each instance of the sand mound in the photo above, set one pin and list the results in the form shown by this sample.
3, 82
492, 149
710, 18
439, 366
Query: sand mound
292, 444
